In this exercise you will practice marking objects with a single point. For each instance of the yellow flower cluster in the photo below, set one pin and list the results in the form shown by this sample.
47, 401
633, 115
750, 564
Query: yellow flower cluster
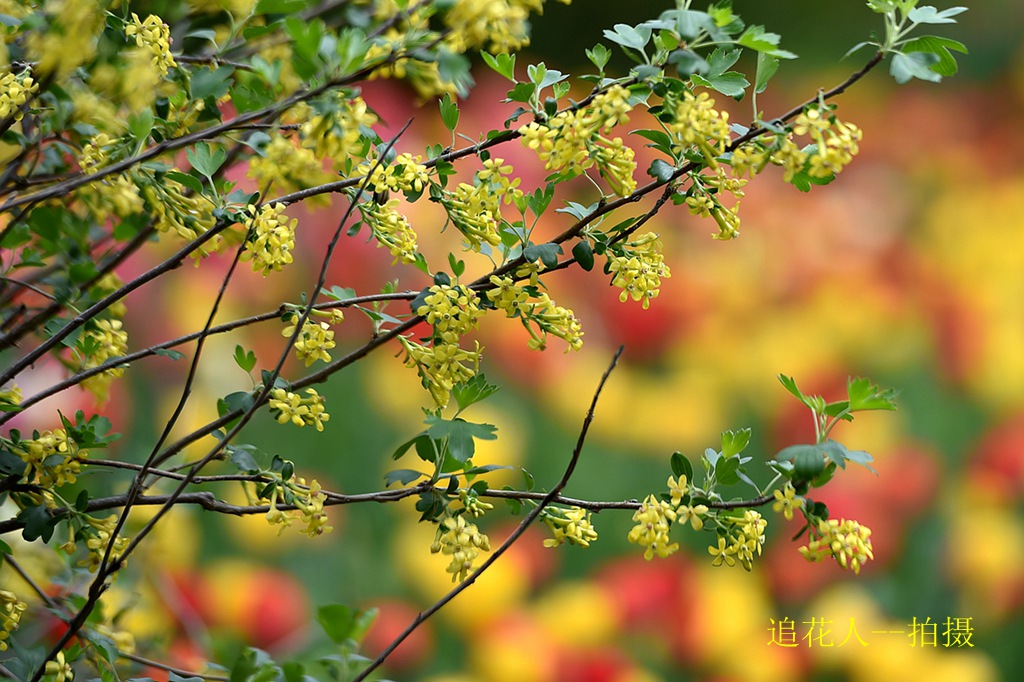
452, 310
476, 209
441, 366
548, 316
335, 135
836, 142
639, 271
291, 407
310, 508
790, 157
786, 501
405, 174
15, 90
271, 238
740, 541
154, 36
473, 505
105, 339
10, 615
288, 168
425, 77
39, 454
70, 39
654, 518
705, 200
748, 159
572, 141
112, 196
698, 124
461, 541
391, 229
847, 542
570, 525
187, 215
313, 342
99, 539
494, 25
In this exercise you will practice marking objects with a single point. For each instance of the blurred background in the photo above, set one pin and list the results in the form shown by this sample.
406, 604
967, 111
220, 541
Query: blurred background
909, 269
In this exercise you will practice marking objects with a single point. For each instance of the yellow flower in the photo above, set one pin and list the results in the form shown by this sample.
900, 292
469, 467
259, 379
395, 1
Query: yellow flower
10, 615
60, 669
570, 525
787, 501
723, 553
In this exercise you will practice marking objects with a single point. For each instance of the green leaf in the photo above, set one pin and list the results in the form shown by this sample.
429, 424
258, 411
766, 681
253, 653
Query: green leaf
730, 84
205, 159
584, 255
756, 38
767, 65
721, 59
473, 391
245, 359
460, 434
808, 460
930, 15
338, 621
687, 62
243, 459
681, 466
727, 470
522, 92
599, 56
661, 171
238, 401
403, 476
734, 442
504, 64
862, 458
190, 181
449, 112
919, 65
210, 83
546, 253
865, 395
628, 36
168, 353
940, 47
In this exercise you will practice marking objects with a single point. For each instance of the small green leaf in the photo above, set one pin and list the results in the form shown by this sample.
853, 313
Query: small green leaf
245, 359
681, 466
930, 15
584, 255
473, 391
730, 84
460, 435
919, 65
449, 112
599, 56
661, 171
767, 65
168, 353
864, 395
337, 621
403, 476
244, 460
726, 470
546, 253
940, 47
504, 64
720, 60
205, 159
630, 37
808, 460
210, 82
756, 38
734, 442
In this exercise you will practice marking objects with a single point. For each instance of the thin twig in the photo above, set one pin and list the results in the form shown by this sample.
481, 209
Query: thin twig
515, 535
